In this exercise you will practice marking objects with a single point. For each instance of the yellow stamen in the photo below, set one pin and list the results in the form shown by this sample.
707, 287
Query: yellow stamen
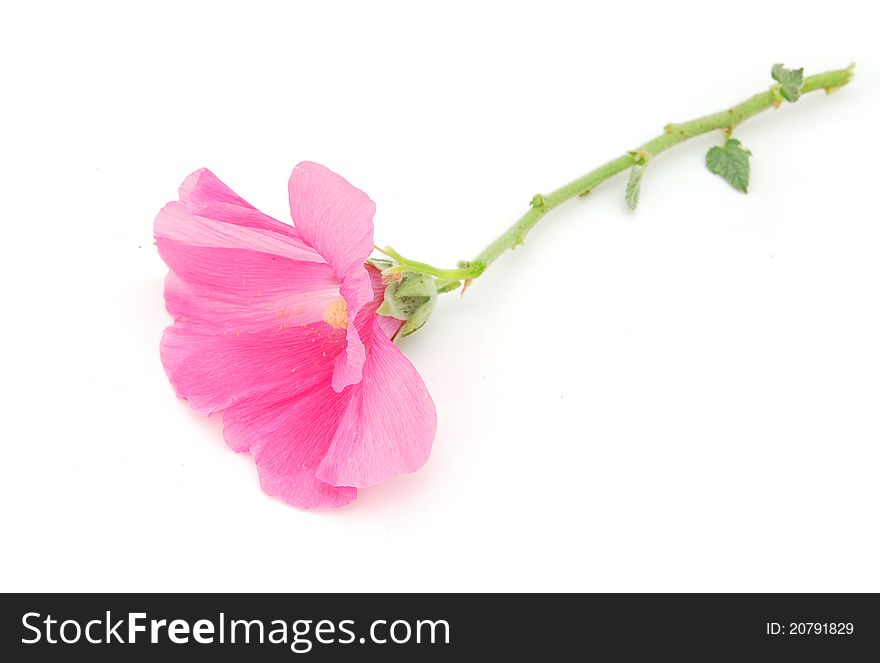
336, 314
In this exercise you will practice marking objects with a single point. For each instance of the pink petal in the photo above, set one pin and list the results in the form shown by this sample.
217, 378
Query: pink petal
333, 216
231, 303
372, 430
247, 323
389, 423
215, 369
336, 219
177, 223
349, 363
203, 188
288, 441
390, 326
289, 431
203, 194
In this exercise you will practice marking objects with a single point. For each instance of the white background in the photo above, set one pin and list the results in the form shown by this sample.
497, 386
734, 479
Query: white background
681, 398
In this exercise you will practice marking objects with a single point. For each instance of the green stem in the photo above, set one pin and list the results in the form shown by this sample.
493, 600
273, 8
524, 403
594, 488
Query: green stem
672, 135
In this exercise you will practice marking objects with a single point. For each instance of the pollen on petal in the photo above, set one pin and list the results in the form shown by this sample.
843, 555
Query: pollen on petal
336, 314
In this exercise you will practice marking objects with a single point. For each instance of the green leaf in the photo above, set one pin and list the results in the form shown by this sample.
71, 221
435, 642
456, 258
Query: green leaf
730, 162
790, 81
633, 186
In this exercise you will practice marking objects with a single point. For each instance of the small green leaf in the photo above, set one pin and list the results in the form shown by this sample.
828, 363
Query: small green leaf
790, 81
633, 186
730, 162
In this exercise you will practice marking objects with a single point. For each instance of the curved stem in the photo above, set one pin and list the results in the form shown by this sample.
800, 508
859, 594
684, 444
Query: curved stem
672, 135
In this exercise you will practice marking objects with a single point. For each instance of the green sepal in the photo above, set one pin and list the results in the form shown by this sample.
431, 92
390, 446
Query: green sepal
414, 284
418, 319
380, 263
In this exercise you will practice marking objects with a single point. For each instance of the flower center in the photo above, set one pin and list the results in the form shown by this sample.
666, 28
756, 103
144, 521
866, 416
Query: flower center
336, 314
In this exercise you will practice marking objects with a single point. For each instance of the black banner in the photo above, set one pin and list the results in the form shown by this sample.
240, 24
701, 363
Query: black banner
113, 627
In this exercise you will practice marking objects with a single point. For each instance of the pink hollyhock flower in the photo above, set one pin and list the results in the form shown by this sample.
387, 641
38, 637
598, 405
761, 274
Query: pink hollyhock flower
276, 327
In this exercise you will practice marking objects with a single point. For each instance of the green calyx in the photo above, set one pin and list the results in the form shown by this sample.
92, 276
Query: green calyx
409, 296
